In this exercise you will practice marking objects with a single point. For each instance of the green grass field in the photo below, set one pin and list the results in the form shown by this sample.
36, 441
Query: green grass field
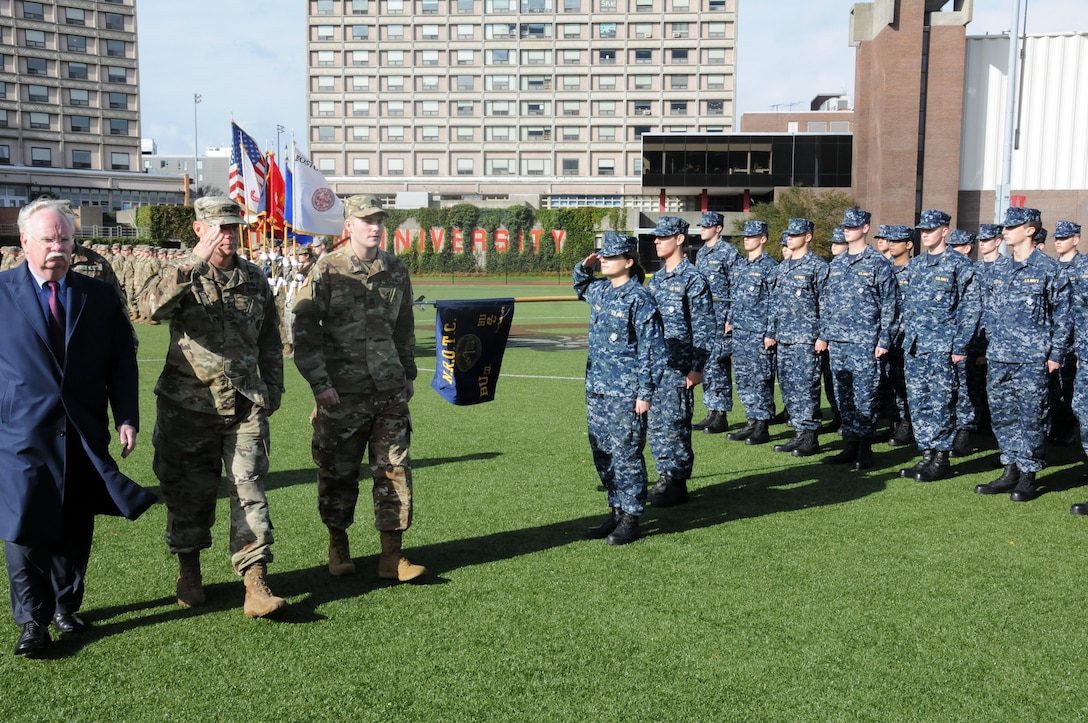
785, 589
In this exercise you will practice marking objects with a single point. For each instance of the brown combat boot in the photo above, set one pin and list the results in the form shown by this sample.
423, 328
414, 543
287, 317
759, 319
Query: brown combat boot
339, 554
259, 599
391, 564
190, 584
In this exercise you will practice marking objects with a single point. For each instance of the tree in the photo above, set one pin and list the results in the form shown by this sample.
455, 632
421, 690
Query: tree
824, 208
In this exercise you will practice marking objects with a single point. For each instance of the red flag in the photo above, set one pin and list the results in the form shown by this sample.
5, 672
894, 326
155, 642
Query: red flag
274, 196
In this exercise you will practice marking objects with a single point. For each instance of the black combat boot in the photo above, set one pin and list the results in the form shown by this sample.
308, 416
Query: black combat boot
1008, 479
719, 422
909, 472
626, 531
791, 445
834, 425
846, 456
1026, 489
668, 492
809, 445
759, 433
961, 443
903, 434
937, 469
700, 426
605, 528
743, 433
864, 459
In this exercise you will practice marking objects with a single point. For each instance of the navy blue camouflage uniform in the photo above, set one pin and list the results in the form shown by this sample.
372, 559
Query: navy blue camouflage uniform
795, 326
716, 264
750, 319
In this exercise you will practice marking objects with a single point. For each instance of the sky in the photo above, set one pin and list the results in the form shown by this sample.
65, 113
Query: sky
789, 51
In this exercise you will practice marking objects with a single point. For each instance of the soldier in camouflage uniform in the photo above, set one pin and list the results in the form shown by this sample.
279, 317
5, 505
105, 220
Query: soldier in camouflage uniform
354, 344
838, 247
222, 379
893, 380
623, 369
749, 322
1067, 233
1063, 421
858, 314
687, 312
795, 325
967, 374
941, 307
1028, 322
715, 260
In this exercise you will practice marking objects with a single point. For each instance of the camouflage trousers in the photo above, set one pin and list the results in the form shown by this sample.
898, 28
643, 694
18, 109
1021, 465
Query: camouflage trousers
670, 426
617, 437
931, 391
857, 377
968, 392
829, 382
893, 386
379, 425
192, 449
1080, 402
754, 368
1019, 406
799, 380
717, 384
1061, 389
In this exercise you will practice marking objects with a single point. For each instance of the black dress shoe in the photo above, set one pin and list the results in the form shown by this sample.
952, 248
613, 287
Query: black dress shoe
34, 640
69, 623
1081, 508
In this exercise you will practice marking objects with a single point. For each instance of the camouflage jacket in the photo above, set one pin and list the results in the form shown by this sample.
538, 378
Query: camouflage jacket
716, 264
224, 336
91, 263
795, 303
354, 324
942, 304
858, 300
901, 278
687, 314
626, 342
1077, 272
1028, 317
750, 288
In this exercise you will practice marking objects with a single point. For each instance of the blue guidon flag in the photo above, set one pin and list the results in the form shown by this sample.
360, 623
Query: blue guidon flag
470, 338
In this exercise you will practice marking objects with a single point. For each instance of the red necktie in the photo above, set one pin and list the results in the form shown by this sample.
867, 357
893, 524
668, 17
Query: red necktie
56, 320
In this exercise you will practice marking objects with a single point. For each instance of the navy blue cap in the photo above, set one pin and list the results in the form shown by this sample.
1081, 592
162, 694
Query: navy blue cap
670, 226
1066, 229
892, 233
837, 236
933, 218
755, 228
959, 237
855, 218
989, 231
1039, 236
617, 244
1015, 216
785, 237
711, 219
799, 227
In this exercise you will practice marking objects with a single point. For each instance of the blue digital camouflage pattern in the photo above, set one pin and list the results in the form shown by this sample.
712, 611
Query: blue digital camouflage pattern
624, 363
959, 237
858, 311
1018, 216
799, 227
755, 228
670, 226
1066, 229
1039, 236
838, 236
989, 231
795, 326
687, 314
1028, 322
710, 219
750, 318
895, 233
855, 218
716, 264
893, 379
617, 244
941, 309
933, 218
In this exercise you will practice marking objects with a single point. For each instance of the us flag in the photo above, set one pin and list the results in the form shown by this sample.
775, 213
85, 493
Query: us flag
248, 169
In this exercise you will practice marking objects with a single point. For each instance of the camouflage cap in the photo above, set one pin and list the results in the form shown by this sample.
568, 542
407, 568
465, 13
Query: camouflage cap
855, 218
1034, 214
363, 206
1066, 229
618, 244
670, 226
932, 218
755, 228
1015, 216
799, 227
785, 237
1039, 236
711, 219
218, 210
989, 232
893, 233
959, 237
837, 236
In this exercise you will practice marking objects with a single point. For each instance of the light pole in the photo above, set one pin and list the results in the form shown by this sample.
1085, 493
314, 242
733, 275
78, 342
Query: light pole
196, 145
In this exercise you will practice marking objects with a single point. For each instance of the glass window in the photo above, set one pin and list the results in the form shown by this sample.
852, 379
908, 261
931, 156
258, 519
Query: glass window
498, 107
325, 57
572, 107
39, 121
326, 133
644, 57
498, 6
115, 48
429, 82
115, 21
571, 31
606, 57
715, 82
466, 107
642, 82
606, 167
497, 57
606, 6
678, 107
464, 166
79, 96
465, 57
324, 7
360, 133
394, 57
681, 5
715, 56
395, 83
5, 155
644, 6
428, 7
606, 30
360, 166
606, 82
326, 165
360, 32
394, 32
3, 118
466, 133
37, 94
536, 6
572, 57
642, 107
118, 127
80, 123
428, 108
394, 108
679, 56
466, 32
395, 166
678, 82
606, 133
644, 30
326, 108
570, 166
428, 133
715, 30
715, 107
34, 38
118, 100
324, 32
680, 30
500, 30
360, 57
428, 57
75, 16
572, 82
394, 133
394, 7
81, 159
499, 166
466, 7
499, 133
717, 6
572, 6
572, 133
33, 11
41, 156
360, 108
535, 167
75, 43
116, 75
466, 82
360, 7
498, 82
428, 32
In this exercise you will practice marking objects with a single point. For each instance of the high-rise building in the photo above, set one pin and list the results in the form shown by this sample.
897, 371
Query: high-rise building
69, 105
543, 101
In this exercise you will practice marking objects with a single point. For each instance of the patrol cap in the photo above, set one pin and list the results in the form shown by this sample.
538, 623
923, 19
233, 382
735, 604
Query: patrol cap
755, 228
1019, 216
1035, 214
855, 218
959, 237
618, 244
893, 233
799, 227
710, 219
363, 206
1039, 236
989, 232
785, 237
219, 211
670, 226
932, 218
1066, 229
837, 236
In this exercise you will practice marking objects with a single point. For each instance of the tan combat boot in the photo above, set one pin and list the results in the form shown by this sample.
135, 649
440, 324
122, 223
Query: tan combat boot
190, 584
391, 564
339, 554
259, 599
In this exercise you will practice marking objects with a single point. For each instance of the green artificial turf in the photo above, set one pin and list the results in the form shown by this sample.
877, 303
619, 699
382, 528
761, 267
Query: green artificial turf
784, 590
